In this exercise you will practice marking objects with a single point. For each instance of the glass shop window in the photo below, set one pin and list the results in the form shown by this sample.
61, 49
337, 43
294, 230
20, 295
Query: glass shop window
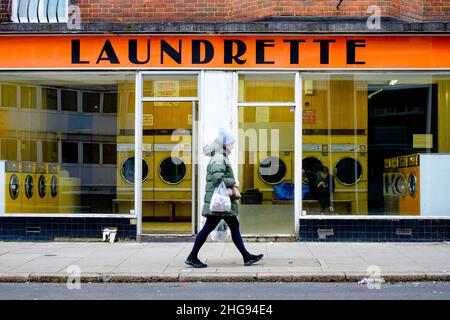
8, 150
109, 153
270, 88
28, 97
50, 151
9, 95
110, 102
69, 100
170, 86
69, 152
377, 134
91, 153
91, 102
49, 99
28, 150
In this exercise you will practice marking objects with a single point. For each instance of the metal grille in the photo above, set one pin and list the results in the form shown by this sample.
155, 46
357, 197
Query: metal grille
38, 11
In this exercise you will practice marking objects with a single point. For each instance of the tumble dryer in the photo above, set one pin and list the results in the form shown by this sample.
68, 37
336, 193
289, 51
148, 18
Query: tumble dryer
272, 169
173, 175
390, 201
53, 183
28, 180
398, 184
125, 174
42, 188
10, 187
426, 179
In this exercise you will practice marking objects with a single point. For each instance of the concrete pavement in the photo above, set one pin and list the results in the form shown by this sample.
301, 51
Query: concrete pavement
157, 262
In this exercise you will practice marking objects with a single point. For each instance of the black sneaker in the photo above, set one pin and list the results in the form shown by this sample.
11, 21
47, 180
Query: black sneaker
195, 263
253, 259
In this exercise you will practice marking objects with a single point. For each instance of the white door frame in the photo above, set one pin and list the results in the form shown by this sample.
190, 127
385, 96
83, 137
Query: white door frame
139, 100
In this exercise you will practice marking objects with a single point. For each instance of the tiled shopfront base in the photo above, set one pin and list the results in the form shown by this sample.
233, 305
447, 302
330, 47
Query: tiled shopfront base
374, 230
47, 229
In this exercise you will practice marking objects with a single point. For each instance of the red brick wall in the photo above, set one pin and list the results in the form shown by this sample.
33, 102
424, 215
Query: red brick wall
133, 11
437, 10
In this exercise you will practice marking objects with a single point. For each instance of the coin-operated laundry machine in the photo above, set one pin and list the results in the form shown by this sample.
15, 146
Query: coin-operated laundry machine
173, 176
398, 185
390, 201
10, 187
125, 175
272, 169
28, 180
53, 184
42, 188
348, 156
313, 161
427, 176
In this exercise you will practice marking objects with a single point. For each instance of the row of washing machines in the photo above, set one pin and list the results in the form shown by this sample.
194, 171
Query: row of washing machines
346, 158
417, 184
166, 175
27, 187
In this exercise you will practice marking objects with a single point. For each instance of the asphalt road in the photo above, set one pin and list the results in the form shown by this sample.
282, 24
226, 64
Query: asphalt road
226, 291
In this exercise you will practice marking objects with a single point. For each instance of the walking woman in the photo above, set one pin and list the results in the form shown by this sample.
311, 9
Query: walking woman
218, 170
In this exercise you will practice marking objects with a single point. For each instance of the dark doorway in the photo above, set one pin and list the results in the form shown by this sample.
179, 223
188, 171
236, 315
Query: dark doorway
396, 113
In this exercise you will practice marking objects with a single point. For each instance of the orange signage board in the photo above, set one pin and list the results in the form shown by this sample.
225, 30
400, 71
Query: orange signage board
225, 51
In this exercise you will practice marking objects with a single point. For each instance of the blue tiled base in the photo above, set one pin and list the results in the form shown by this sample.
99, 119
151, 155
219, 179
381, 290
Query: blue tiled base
15, 228
374, 230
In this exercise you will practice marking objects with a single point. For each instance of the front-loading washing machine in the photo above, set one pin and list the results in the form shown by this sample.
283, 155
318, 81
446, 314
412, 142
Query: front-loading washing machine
399, 187
28, 181
42, 188
390, 201
125, 174
10, 187
53, 187
173, 175
271, 170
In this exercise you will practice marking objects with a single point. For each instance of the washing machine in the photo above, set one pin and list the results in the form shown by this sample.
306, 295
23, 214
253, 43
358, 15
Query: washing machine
28, 181
53, 187
173, 175
125, 174
271, 170
398, 184
10, 184
42, 188
409, 167
390, 203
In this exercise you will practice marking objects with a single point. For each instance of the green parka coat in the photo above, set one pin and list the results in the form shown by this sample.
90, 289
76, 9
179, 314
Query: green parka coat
218, 170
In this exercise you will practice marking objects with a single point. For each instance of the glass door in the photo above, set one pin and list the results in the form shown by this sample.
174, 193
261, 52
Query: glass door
169, 113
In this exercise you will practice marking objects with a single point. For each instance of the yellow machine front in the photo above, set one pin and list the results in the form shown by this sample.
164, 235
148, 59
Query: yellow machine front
11, 195
125, 174
43, 188
28, 181
54, 187
173, 175
70, 193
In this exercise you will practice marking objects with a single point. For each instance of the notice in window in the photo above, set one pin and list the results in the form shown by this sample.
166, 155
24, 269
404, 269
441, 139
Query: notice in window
309, 117
166, 89
422, 141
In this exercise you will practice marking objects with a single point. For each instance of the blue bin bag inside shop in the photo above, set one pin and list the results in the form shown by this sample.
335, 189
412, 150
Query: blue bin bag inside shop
284, 191
305, 191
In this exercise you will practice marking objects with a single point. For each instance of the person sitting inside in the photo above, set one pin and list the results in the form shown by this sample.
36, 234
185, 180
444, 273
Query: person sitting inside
325, 188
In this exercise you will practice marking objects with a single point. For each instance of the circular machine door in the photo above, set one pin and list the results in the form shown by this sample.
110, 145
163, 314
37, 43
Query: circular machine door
312, 167
128, 170
172, 170
29, 187
399, 185
387, 184
14, 187
348, 171
42, 186
412, 184
272, 170
54, 186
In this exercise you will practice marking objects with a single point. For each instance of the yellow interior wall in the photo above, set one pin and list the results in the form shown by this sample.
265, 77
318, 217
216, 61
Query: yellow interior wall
443, 115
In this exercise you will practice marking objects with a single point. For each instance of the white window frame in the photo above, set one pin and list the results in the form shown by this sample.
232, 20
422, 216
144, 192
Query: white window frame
42, 16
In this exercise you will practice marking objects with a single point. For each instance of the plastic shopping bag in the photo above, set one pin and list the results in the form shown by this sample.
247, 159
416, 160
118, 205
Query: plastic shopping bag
221, 233
220, 201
